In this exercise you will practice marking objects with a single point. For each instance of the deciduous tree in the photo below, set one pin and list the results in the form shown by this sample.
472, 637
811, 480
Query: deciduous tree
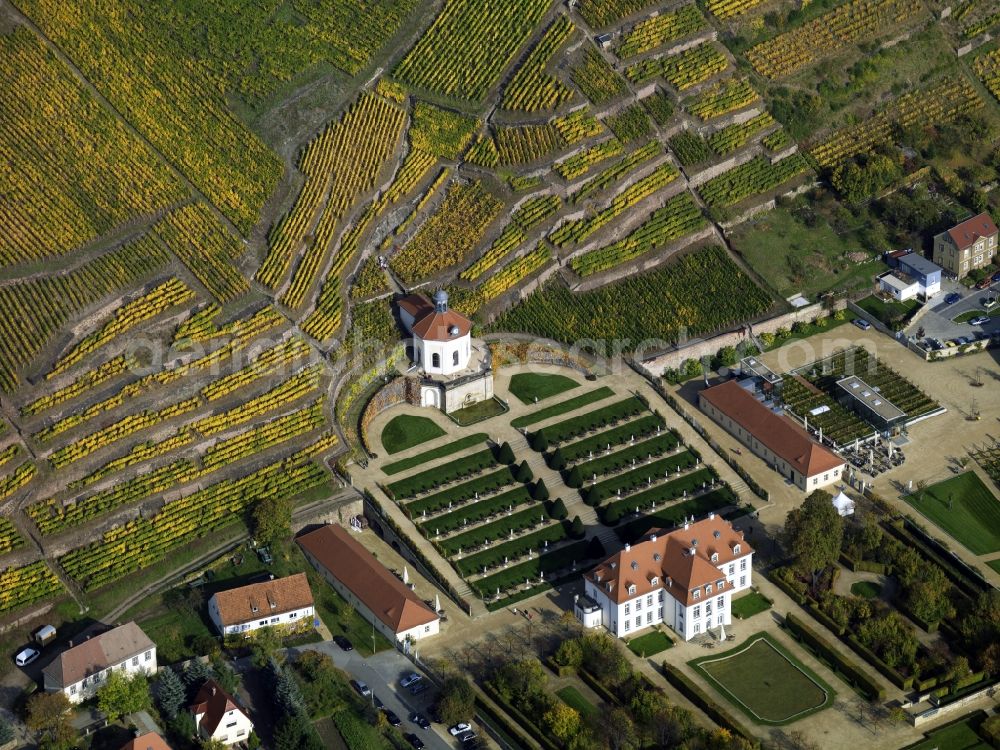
123, 694
813, 533
457, 701
49, 717
272, 519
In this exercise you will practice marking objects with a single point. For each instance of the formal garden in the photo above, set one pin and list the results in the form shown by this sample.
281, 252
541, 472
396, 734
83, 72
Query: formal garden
965, 508
764, 680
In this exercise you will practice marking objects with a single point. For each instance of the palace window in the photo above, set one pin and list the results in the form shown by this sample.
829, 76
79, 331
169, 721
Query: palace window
649, 600
743, 580
721, 602
743, 564
697, 611
435, 360
454, 358
638, 604
627, 626
696, 594
628, 609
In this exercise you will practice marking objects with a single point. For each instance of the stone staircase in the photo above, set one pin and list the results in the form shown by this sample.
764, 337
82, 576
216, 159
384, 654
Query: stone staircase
742, 489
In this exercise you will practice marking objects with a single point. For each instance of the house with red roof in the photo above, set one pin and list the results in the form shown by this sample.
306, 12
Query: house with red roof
217, 715
684, 578
775, 437
454, 370
365, 583
967, 246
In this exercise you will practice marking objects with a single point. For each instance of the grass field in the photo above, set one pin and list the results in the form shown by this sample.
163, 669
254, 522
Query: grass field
575, 699
406, 431
792, 257
445, 450
528, 386
995, 564
478, 412
866, 589
750, 604
887, 311
562, 407
960, 735
765, 681
973, 518
650, 643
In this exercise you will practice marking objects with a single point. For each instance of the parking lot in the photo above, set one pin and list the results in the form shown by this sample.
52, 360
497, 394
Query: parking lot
938, 322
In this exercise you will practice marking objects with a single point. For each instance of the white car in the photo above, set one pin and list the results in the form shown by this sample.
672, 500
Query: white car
980, 320
458, 729
25, 657
411, 679
362, 688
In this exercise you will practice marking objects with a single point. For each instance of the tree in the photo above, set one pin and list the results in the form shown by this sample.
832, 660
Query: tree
538, 441
265, 642
505, 453
577, 531
891, 638
272, 519
604, 658
123, 694
556, 460
6, 732
519, 681
813, 533
574, 478
619, 730
562, 721
523, 473
569, 653
210, 743
195, 675
170, 692
595, 549
540, 492
726, 356
226, 676
457, 701
49, 717
287, 696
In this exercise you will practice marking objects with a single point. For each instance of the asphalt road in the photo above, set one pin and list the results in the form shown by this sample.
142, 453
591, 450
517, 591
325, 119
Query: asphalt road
382, 673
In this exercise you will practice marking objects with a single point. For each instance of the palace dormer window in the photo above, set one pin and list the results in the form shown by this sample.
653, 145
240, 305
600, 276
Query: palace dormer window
708, 588
696, 593
654, 581
631, 588
736, 549
715, 557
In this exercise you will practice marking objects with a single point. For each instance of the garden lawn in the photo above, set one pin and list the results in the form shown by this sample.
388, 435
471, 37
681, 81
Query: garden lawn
562, 407
887, 312
672, 515
575, 699
478, 412
406, 430
968, 315
866, 589
974, 517
959, 735
765, 681
528, 386
750, 604
995, 564
445, 450
650, 644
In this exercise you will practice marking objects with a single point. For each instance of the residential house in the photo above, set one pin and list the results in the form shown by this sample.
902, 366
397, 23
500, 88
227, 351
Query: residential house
284, 601
967, 246
901, 286
773, 436
147, 741
685, 578
217, 716
364, 582
82, 669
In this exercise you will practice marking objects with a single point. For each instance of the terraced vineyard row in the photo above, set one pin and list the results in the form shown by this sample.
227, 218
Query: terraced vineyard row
724, 9
615, 172
578, 164
722, 98
10, 539
752, 178
532, 212
20, 587
847, 24
515, 272
987, 67
684, 69
468, 46
661, 29
532, 89
81, 384
679, 217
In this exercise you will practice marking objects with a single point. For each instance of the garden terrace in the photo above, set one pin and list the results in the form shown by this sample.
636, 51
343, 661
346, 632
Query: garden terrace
721, 98
562, 407
596, 79
408, 430
672, 489
531, 88
631, 124
532, 386
839, 425
449, 448
673, 515
496, 555
684, 69
889, 383
462, 493
644, 426
471, 513
606, 416
580, 163
612, 174
433, 478
555, 561
630, 456
660, 30
756, 176
642, 476
493, 531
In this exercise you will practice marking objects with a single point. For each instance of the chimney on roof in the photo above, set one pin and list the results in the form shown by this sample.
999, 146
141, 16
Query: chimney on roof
213, 689
627, 546
692, 551
686, 524
652, 537
711, 516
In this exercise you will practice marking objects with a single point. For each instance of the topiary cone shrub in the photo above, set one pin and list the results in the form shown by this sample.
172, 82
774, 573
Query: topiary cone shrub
505, 453
576, 530
523, 473
574, 478
540, 491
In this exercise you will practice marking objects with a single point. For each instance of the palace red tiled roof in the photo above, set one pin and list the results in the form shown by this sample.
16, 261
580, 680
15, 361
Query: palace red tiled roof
969, 231
349, 562
679, 561
783, 437
431, 325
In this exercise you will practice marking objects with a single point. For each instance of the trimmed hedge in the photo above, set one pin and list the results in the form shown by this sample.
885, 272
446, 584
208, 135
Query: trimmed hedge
642, 427
850, 671
431, 479
892, 674
594, 684
562, 407
534, 731
460, 493
864, 566
592, 420
487, 709
475, 512
701, 699
512, 549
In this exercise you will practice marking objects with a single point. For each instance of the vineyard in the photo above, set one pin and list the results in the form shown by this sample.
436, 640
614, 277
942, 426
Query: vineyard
532, 212
597, 79
752, 178
680, 216
72, 171
467, 47
847, 24
660, 30
531, 89
660, 303
723, 9
22, 586
721, 98
987, 67
684, 69
580, 163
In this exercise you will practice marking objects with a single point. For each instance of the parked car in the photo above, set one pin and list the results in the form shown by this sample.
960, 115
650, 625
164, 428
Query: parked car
378, 703
989, 303
26, 656
414, 740
467, 737
952, 298
980, 320
344, 643
996, 276
391, 717
410, 679
362, 688
420, 720
985, 283
861, 323
458, 729
418, 687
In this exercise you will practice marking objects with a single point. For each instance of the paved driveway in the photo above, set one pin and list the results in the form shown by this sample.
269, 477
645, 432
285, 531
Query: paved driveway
938, 322
382, 673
